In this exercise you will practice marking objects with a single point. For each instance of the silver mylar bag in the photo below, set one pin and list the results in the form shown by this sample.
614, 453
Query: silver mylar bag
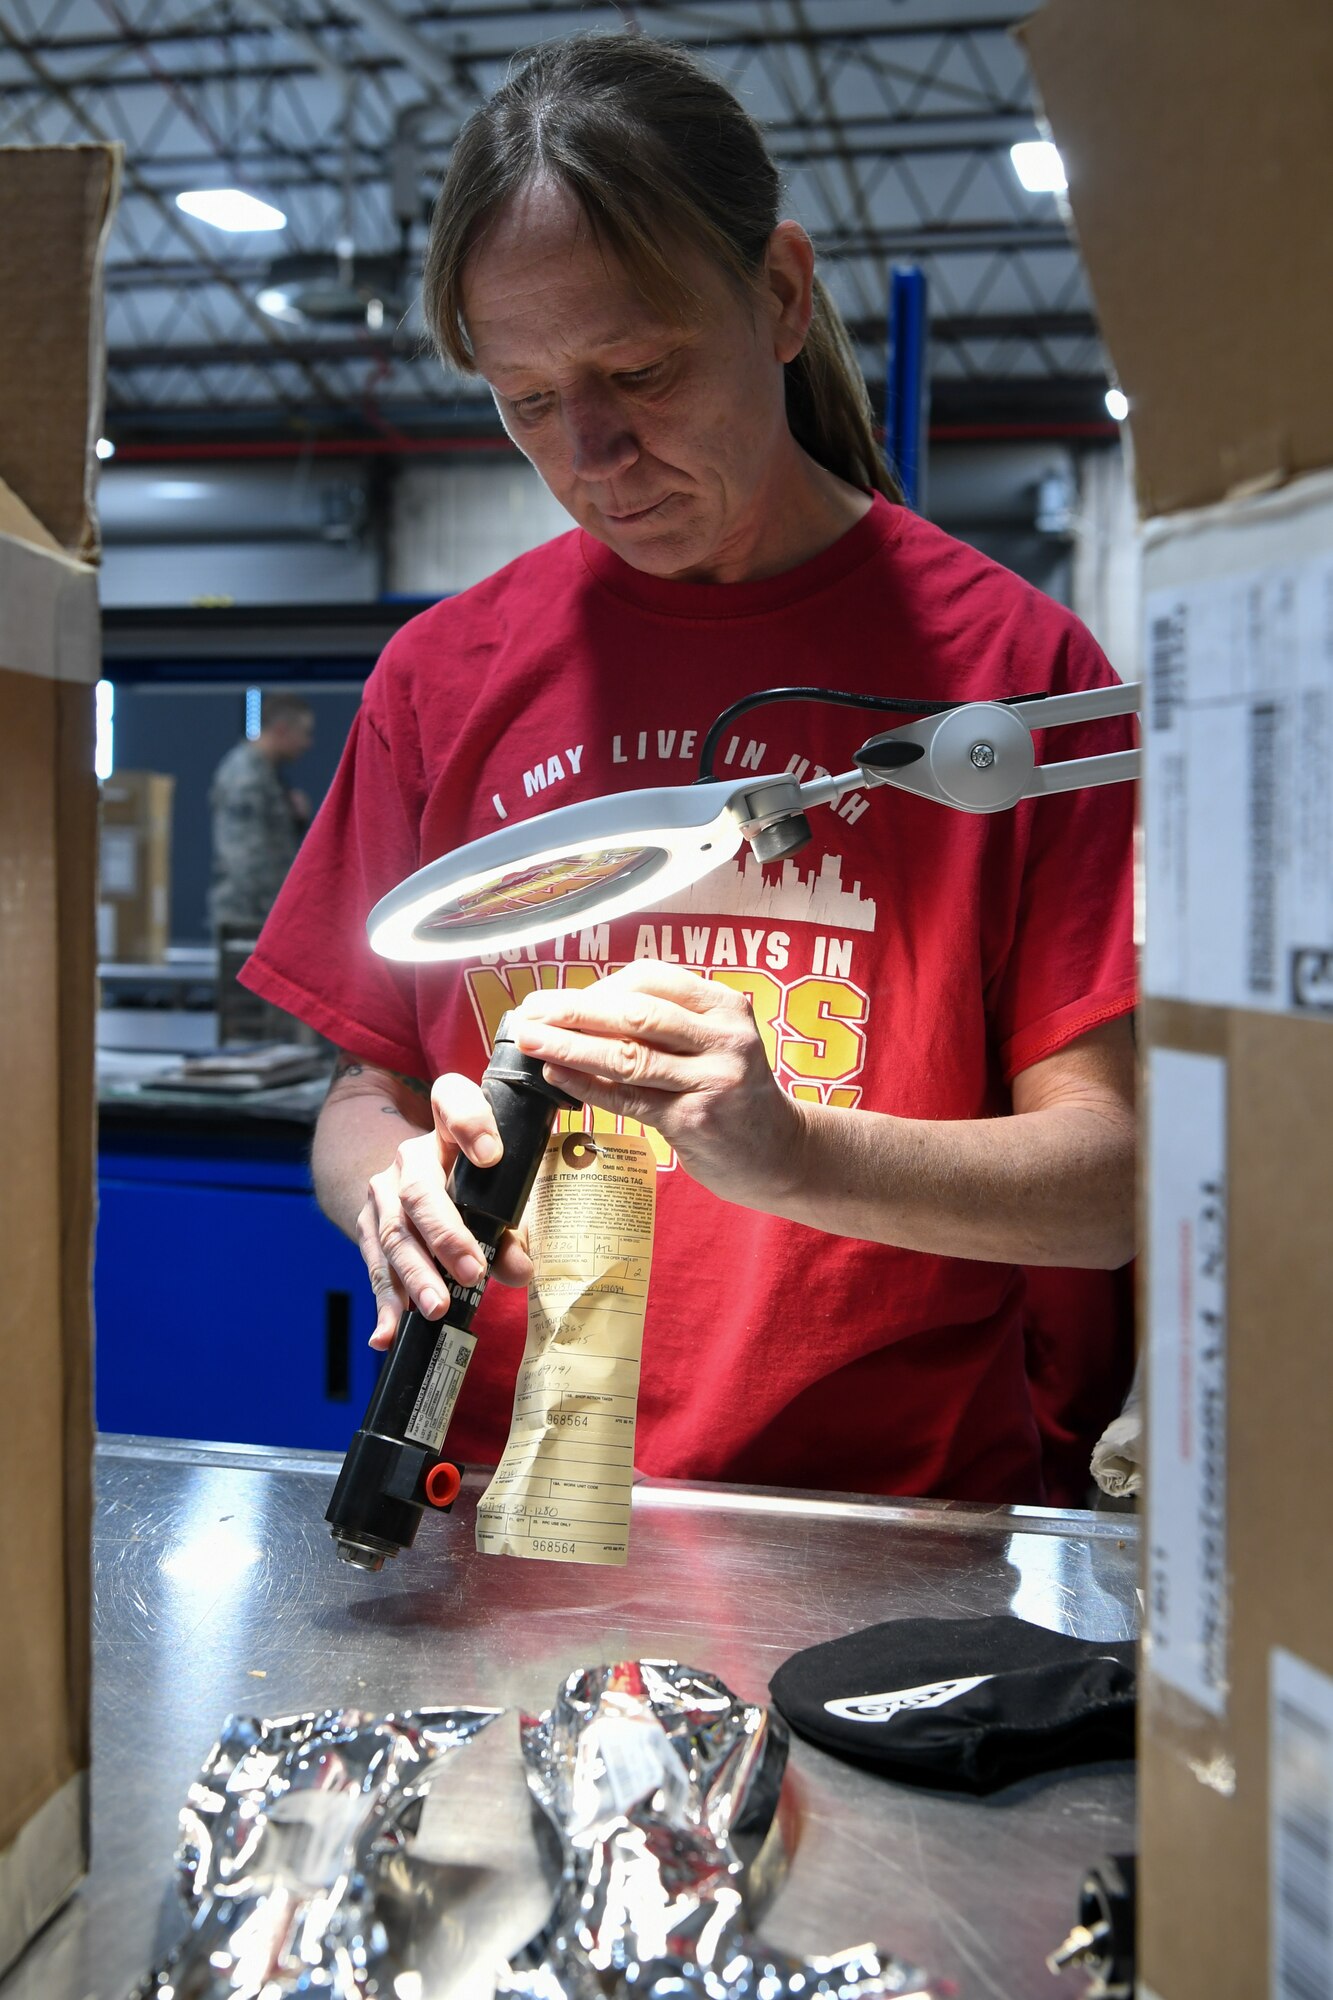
662, 1788
295, 1856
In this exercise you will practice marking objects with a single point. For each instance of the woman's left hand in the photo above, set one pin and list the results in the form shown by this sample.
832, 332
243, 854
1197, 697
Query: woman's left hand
681, 1054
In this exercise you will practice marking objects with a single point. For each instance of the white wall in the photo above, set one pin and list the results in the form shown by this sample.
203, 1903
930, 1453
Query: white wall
238, 573
252, 532
454, 521
1106, 559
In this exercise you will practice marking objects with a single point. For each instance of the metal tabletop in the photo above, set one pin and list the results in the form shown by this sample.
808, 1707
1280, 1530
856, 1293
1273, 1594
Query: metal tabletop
217, 1590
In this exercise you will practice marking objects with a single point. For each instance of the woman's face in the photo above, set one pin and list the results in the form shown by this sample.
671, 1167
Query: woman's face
667, 442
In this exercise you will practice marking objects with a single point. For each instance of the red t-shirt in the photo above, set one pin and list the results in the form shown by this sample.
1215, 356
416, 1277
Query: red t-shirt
911, 960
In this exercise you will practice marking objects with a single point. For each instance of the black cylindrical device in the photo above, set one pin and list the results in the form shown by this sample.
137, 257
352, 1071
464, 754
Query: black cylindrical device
395, 1465
1102, 1941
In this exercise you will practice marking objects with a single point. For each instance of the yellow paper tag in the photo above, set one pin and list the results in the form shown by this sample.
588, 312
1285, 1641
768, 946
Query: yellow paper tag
561, 1492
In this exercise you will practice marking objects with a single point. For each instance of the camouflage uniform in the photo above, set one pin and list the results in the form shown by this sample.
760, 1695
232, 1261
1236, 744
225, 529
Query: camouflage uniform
255, 837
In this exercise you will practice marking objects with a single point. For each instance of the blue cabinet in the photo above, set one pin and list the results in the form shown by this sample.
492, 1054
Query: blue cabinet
228, 1307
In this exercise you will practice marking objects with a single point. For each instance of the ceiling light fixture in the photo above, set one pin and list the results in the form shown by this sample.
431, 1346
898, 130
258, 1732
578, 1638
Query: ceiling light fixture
231, 209
104, 448
275, 300
332, 288
1117, 405
1039, 167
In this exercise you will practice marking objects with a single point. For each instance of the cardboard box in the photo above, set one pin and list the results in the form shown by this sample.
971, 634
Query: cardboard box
48, 833
134, 868
58, 202
1199, 151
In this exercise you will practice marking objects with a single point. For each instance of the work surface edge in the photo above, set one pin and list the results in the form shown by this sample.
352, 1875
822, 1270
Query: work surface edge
961, 1516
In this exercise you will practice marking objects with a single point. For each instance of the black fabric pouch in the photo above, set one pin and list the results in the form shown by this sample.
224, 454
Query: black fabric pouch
967, 1703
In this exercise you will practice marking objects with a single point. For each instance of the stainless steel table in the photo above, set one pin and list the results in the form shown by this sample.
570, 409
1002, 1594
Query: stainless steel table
217, 1590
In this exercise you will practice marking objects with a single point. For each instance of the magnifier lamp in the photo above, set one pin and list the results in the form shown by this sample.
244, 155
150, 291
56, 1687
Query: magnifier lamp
602, 858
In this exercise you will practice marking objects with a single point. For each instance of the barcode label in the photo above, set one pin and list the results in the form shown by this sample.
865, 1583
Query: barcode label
439, 1392
1187, 1374
1238, 759
1300, 1830
1166, 666
1263, 749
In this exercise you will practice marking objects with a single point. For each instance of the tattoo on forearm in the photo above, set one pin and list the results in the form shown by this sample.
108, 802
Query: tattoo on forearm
346, 1065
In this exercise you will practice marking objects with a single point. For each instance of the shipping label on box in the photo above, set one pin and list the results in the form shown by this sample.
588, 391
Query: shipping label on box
1300, 1829
1187, 1584
1238, 760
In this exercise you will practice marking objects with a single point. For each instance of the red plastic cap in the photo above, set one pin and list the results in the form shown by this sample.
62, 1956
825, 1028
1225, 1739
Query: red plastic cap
443, 1483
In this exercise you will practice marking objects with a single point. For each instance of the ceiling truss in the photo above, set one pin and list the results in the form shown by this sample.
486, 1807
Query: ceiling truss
891, 121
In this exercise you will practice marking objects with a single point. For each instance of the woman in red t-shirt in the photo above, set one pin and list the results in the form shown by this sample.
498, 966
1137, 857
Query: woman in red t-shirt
607, 254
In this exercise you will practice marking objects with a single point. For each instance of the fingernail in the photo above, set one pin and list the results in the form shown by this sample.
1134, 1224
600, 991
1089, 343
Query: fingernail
468, 1269
430, 1303
487, 1149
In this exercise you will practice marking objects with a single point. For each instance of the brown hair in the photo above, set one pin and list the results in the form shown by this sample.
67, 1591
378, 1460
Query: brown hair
657, 152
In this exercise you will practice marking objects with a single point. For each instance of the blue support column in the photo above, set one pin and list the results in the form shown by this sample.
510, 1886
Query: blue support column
907, 392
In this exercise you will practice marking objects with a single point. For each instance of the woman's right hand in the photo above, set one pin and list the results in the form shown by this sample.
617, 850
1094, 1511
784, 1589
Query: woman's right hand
408, 1228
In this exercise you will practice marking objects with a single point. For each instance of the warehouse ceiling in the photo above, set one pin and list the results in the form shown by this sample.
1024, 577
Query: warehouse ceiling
892, 121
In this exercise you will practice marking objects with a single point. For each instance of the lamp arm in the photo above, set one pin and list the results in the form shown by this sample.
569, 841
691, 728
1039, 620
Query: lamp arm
827, 791
1053, 711
980, 757
837, 697
974, 756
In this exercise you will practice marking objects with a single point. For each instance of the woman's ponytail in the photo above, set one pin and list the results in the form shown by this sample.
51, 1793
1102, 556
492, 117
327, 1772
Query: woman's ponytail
828, 407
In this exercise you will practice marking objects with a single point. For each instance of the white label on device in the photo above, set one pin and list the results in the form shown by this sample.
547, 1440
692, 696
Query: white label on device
1300, 1829
1238, 785
621, 1761
439, 1392
1187, 1384
637, 1758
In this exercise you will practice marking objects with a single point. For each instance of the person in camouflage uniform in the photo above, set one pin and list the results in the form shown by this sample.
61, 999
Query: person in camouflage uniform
258, 821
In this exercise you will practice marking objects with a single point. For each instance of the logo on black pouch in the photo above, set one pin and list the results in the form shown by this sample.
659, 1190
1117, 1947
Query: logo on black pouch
881, 1707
